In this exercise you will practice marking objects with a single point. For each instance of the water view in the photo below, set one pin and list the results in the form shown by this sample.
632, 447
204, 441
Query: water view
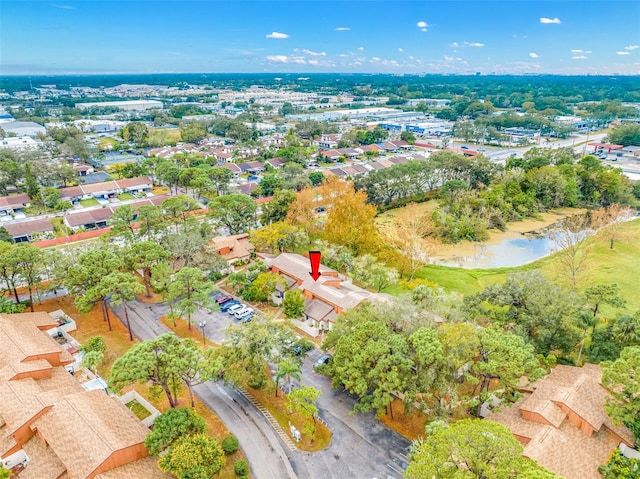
510, 252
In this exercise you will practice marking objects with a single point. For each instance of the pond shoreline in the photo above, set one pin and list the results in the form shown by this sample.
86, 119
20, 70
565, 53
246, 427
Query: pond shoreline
471, 255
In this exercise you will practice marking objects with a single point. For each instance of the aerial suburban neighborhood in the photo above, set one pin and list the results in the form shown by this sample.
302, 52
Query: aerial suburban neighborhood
334, 260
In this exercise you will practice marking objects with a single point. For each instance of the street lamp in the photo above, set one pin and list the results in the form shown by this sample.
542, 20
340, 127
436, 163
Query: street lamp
202, 325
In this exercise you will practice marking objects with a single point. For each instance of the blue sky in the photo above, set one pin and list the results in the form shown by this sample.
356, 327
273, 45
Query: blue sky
565, 37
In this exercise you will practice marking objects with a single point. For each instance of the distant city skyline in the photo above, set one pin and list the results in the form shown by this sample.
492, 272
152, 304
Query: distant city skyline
464, 37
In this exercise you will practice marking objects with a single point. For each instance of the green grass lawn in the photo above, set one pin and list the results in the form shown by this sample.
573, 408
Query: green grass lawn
90, 202
107, 144
126, 196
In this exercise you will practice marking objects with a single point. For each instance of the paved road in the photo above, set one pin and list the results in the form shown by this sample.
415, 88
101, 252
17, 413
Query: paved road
260, 444
361, 447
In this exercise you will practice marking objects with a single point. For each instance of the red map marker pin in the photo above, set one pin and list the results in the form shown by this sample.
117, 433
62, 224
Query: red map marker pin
315, 257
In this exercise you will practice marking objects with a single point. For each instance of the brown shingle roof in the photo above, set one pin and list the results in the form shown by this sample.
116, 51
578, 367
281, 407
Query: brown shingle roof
104, 187
345, 295
88, 217
238, 246
28, 227
132, 182
562, 445
15, 200
87, 428
71, 192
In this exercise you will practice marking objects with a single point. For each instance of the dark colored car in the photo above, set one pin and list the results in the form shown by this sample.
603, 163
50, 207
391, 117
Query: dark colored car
224, 299
225, 307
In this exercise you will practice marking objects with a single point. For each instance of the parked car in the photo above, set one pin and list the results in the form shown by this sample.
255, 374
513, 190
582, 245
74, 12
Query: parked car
225, 307
224, 299
322, 360
236, 307
252, 177
246, 317
217, 294
241, 312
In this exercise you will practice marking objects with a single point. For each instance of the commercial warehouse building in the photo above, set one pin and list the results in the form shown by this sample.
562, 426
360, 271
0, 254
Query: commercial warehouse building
126, 105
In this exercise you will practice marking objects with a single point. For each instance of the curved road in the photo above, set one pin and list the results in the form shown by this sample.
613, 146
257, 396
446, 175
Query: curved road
361, 447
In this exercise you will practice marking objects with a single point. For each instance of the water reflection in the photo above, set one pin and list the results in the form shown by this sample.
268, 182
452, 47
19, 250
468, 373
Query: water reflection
511, 252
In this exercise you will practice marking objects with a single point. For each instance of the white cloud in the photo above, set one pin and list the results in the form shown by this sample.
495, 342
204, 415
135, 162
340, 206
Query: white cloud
579, 57
360, 49
411, 57
546, 20
63, 7
423, 29
467, 44
577, 51
534, 55
400, 50
342, 29
632, 47
286, 59
277, 35
375, 59
623, 53
448, 58
314, 54
422, 24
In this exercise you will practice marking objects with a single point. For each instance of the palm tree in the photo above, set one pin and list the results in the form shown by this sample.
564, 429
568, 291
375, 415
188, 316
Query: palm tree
287, 369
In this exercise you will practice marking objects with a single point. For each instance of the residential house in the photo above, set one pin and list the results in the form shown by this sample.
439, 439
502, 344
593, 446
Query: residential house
388, 146
73, 194
252, 167
233, 248
338, 172
375, 165
365, 148
330, 155
83, 170
13, 204
398, 160
235, 169
562, 423
89, 220
26, 231
328, 141
326, 298
50, 426
138, 185
223, 156
400, 144
349, 153
247, 188
107, 189
276, 163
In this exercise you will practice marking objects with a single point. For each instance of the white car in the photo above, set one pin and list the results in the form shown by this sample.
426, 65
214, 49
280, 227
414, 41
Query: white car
236, 307
241, 312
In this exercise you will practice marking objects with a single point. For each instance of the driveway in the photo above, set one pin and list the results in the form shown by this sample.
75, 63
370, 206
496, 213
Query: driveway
361, 447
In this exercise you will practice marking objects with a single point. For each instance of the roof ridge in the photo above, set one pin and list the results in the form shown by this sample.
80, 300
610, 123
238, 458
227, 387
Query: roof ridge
88, 423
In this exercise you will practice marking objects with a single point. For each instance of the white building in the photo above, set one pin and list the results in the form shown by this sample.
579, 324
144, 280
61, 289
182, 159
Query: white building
23, 128
16, 143
126, 105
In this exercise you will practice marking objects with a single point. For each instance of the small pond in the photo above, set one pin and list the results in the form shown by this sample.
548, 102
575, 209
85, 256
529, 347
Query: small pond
510, 252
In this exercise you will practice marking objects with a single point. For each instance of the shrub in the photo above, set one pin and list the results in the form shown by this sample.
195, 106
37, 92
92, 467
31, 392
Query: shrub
230, 445
240, 467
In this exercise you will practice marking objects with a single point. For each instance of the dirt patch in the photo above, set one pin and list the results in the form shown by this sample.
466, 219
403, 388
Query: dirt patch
409, 425
91, 324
